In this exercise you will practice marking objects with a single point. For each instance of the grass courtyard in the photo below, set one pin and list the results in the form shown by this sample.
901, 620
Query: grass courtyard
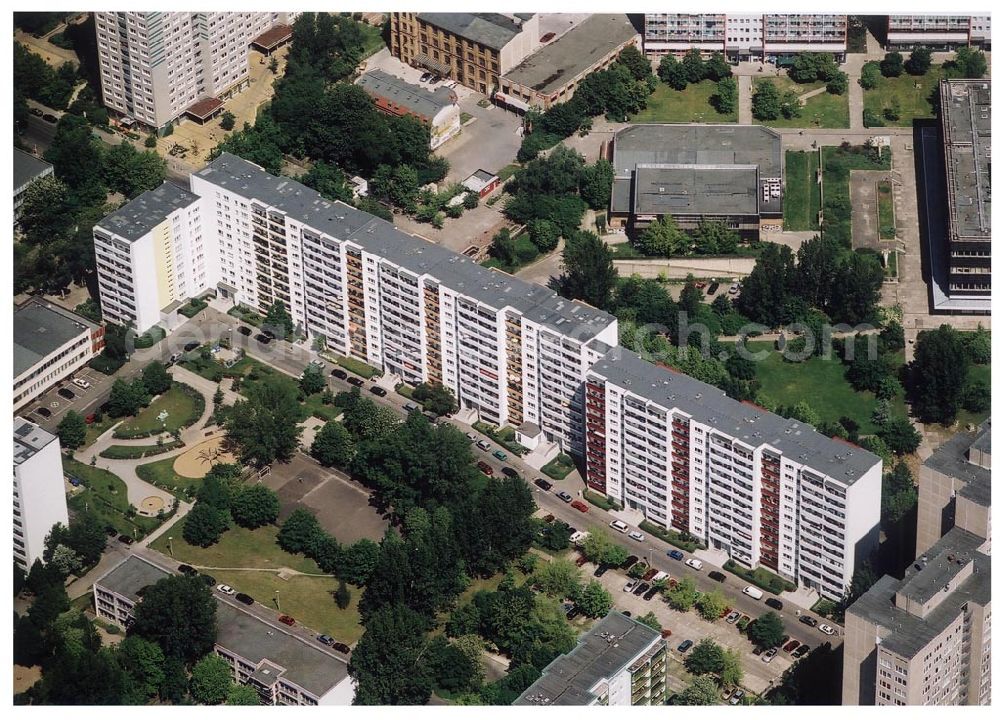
182, 404
820, 111
161, 474
105, 494
692, 104
837, 165
912, 94
802, 198
886, 213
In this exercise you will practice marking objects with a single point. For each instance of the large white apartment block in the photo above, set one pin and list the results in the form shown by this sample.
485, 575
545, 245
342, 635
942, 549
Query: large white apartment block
155, 65
151, 257
39, 490
50, 344
766, 490
940, 32
745, 36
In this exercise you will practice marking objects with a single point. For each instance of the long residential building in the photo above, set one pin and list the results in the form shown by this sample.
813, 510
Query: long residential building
514, 352
155, 66
766, 490
940, 32
39, 490
283, 667
619, 661
27, 170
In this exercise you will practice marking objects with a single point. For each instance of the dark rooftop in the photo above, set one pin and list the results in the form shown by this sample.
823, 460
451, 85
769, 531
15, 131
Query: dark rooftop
132, 575
695, 190
952, 459
272, 37
27, 167
600, 654
40, 328
138, 217
204, 108
453, 270
414, 98
492, 30
798, 441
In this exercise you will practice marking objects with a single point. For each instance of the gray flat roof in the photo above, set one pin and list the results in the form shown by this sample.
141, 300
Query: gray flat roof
453, 270
600, 653
29, 438
909, 634
40, 328
414, 98
695, 190
952, 459
965, 119
256, 640
27, 167
563, 61
132, 575
492, 30
798, 441
139, 216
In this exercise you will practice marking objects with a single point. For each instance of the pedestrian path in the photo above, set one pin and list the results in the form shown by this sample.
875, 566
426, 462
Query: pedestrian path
745, 116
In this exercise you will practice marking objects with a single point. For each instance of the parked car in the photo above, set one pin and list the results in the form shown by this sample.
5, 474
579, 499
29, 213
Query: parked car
580, 505
712, 288
827, 630
601, 569
190, 346
36, 112
485, 468
637, 536
543, 484
768, 655
411, 407
483, 445
378, 391
286, 619
650, 573
737, 697
717, 576
356, 382
110, 531
700, 285
807, 620
626, 613
629, 562
500, 455
66, 393
581, 561
262, 338
546, 37
694, 563
774, 603
325, 639
800, 651
50, 118
426, 76
548, 518
75, 482
732, 617
640, 588
187, 570
44, 412
751, 591
225, 590
208, 580
342, 648
650, 594
123, 538
244, 598
81, 383
734, 289
685, 646
339, 374
244, 330
758, 650
316, 362
676, 554
619, 526
791, 645
630, 586
564, 496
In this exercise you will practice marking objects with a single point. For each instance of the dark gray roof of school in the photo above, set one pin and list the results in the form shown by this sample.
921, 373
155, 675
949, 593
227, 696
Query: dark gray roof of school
139, 216
564, 60
599, 654
965, 118
695, 189
453, 270
492, 30
40, 328
133, 575
797, 441
27, 168
414, 98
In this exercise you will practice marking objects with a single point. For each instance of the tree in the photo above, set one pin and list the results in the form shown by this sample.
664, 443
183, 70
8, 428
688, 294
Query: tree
705, 658
900, 435
731, 673
766, 102
312, 380
558, 578
156, 379
278, 319
871, 73
205, 524
836, 84
651, 620
342, 596
726, 96
367, 421
211, 680
700, 691
717, 68
398, 185
298, 532
968, 63
590, 273
72, 430
333, 445
693, 65
544, 234
178, 614
436, 398
681, 596
131, 172
386, 663
594, 601
174, 688
265, 426
496, 527
938, 374
662, 238
452, 669
242, 694
711, 605
767, 631
143, 662
919, 61
892, 65
359, 560
691, 297
555, 536
67, 561
255, 506
804, 69
595, 183
329, 181
857, 288
127, 398
228, 121
636, 62
899, 494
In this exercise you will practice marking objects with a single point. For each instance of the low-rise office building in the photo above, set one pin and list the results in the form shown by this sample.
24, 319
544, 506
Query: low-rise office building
696, 173
39, 490
766, 490
939, 32
619, 661
551, 74
50, 344
437, 109
27, 170
925, 639
282, 667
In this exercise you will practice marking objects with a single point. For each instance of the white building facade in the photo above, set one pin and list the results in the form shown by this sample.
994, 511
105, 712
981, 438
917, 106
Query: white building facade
765, 490
39, 490
939, 32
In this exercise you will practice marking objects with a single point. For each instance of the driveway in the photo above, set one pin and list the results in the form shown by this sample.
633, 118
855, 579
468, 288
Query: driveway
864, 208
490, 141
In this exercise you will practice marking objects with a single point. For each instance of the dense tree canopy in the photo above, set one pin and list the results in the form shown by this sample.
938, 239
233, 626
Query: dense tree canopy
938, 374
265, 426
590, 274
386, 664
178, 614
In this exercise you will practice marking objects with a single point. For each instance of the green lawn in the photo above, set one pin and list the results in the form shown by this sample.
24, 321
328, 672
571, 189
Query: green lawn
559, 468
183, 404
692, 104
982, 374
886, 213
357, 367
161, 474
802, 199
95, 430
133, 452
913, 93
105, 494
837, 166
372, 39
238, 548
822, 111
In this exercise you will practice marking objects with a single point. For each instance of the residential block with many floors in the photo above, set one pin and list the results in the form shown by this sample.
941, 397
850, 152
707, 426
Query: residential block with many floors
619, 661
156, 65
940, 32
284, 668
39, 490
768, 491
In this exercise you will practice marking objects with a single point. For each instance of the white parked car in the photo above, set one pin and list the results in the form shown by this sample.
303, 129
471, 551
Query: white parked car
81, 383
471, 435
694, 563
827, 630
637, 536
630, 585
619, 526
483, 445
225, 590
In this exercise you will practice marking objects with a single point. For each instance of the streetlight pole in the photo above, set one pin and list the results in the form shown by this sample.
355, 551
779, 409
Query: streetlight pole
170, 545
277, 600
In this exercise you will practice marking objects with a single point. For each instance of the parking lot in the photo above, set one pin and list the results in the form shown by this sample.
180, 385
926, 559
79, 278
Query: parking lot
57, 405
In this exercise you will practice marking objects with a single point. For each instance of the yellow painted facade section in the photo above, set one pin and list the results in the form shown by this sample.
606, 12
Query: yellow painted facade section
163, 256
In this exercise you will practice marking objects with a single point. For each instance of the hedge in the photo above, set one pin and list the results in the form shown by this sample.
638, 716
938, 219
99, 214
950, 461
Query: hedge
670, 536
760, 577
136, 452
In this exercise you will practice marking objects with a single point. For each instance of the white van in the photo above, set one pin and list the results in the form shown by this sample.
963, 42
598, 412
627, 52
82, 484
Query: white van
753, 592
579, 537
694, 562
619, 526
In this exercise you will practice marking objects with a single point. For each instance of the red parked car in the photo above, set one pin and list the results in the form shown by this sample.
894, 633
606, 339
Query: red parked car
485, 468
580, 505
287, 619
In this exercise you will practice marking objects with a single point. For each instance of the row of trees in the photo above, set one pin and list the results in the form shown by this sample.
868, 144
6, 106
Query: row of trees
224, 499
810, 67
692, 69
663, 238
769, 103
